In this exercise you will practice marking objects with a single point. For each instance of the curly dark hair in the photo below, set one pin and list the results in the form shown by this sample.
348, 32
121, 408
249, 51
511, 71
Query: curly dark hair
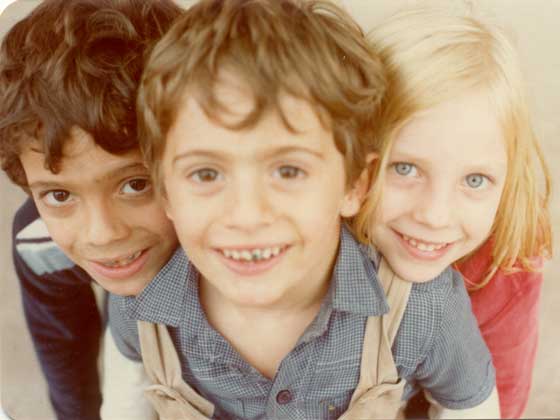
75, 63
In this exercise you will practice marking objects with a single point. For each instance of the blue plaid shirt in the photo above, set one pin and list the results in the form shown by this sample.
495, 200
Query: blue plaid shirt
438, 346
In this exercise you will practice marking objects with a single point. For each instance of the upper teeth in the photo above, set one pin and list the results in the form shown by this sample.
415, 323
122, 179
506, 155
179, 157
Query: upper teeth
123, 261
423, 246
255, 254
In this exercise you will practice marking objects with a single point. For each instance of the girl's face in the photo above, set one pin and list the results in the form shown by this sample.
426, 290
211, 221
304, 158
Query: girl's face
442, 187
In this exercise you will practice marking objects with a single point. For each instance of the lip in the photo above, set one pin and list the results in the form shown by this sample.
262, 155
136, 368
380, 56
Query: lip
423, 255
250, 268
120, 273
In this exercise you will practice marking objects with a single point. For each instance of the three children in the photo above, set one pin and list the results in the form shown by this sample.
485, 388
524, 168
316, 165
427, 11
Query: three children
264, 127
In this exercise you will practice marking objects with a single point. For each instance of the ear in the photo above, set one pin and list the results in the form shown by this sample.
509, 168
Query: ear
164, 201
354, 198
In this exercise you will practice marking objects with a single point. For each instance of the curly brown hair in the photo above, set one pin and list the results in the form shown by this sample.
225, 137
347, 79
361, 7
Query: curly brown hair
75, 63
310, 49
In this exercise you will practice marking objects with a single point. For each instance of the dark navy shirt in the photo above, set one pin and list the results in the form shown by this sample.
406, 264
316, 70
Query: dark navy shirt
62, 317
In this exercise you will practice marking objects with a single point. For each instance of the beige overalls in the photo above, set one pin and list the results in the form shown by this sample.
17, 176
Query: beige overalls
377, 396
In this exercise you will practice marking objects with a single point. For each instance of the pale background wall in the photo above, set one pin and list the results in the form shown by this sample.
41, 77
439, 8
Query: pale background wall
535, 23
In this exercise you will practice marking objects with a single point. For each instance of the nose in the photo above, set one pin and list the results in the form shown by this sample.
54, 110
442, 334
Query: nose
436, 207
104, 224
248, 207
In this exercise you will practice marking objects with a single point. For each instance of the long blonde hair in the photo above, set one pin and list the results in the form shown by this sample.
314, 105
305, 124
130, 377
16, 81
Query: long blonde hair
433, 55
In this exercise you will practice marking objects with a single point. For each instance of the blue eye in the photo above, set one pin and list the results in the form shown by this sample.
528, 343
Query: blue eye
405, 169
205, 175
476, 181
289, 172
136, 186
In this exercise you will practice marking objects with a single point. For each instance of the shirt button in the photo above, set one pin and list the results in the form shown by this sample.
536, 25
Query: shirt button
284, 397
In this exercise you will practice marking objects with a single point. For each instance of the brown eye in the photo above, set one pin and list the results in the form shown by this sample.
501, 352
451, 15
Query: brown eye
60, 196
290, 172
136, 186
205, 175
56, 198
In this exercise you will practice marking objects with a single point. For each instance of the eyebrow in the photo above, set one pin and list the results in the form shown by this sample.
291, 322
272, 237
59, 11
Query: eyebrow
211, 154
113, 173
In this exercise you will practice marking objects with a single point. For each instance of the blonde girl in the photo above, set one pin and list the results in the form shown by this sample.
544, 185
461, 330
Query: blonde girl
459, 178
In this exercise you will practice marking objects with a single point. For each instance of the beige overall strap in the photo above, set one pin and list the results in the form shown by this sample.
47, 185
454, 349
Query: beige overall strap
397, 291
377, 364
164, 370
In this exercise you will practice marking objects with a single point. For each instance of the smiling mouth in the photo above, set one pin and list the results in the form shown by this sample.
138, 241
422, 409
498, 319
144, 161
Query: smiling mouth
423, 246
252, 254
121, 262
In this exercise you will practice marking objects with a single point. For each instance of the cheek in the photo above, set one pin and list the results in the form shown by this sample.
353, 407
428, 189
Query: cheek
190, 218
394, 203
481, 219
61, 233
157, 222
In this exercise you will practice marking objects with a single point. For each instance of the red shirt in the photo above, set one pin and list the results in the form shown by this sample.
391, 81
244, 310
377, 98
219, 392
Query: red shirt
507, 310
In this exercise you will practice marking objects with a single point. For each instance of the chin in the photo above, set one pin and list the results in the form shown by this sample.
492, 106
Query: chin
419, 275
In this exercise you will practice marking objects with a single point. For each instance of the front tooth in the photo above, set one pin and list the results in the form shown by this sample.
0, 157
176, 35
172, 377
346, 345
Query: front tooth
256, 254
236, 255
422, 247
246, 255
267, 253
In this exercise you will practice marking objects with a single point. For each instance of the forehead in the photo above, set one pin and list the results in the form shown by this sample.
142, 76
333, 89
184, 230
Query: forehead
83, 162
465, 128
293, 120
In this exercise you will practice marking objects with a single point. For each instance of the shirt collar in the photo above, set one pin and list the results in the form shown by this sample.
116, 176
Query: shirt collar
354, 286
172, 295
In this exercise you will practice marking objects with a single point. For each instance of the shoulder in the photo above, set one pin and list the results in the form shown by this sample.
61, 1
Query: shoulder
33, 245
429, 306
506, 292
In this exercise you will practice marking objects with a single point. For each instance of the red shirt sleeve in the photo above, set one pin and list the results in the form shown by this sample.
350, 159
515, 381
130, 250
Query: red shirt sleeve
507, 311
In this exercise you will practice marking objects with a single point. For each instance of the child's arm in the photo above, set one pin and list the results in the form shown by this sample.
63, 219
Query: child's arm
62, 317
511, 303
124, 381
482, 411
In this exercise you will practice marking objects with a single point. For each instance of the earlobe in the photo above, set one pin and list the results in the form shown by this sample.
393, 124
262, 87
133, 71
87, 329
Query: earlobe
350, 205
165, 203
354, 198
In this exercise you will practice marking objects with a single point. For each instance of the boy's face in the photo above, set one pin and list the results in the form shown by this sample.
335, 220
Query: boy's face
442, 187
257, 210
101, 210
